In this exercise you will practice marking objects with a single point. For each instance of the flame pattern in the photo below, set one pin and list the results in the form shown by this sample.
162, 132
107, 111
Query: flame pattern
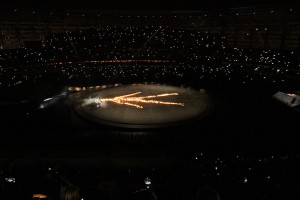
133, 100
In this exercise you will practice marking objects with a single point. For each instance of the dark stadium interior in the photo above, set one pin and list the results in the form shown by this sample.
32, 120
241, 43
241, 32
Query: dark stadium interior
141, 5
59, 59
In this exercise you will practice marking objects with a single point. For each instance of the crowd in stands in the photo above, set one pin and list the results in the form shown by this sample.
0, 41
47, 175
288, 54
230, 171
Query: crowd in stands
137, 42
209, 179
145, 53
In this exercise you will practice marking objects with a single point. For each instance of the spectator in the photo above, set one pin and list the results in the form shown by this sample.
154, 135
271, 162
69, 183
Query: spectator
207, 193
144, 194
71, 193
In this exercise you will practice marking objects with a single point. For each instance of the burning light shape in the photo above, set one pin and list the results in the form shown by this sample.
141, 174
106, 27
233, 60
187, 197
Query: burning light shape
130, 100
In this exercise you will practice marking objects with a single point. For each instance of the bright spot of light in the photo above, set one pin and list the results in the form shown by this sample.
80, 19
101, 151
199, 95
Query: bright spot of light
39, 196
48, 99
147, 181
10, 180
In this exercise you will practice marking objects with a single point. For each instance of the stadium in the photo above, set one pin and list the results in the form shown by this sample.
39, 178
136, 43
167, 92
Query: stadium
171, 102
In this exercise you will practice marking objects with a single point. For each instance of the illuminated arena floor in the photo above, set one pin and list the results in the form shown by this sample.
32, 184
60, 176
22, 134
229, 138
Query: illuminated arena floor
141, 105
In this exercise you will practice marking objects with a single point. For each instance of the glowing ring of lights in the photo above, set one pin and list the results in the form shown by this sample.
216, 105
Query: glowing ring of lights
141, 105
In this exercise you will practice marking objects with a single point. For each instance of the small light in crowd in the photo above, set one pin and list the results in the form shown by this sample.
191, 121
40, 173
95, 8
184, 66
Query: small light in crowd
39, 196
147, 182
245, 180
10, 180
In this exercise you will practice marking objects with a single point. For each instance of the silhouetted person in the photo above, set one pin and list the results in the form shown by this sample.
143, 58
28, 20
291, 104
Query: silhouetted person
144, 195
207, 193
281, 192
71, 193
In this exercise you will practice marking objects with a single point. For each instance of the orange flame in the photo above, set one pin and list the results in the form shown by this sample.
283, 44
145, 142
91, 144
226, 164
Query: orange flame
129, 100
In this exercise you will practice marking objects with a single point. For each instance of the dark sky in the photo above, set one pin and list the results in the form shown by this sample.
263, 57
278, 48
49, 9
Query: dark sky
137, 4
